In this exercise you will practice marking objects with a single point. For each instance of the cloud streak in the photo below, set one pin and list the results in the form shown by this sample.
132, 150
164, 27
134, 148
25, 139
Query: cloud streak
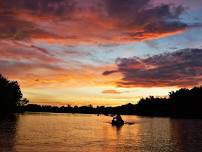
26, 52
108, 21
111, 92
181, 68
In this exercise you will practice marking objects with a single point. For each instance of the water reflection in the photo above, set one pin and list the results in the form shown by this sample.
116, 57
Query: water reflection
117, 129
85, 133
8, 132
186, 134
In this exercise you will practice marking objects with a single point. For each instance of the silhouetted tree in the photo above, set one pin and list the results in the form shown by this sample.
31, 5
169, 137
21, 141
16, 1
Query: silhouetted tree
187, 102
10, 95
181, 103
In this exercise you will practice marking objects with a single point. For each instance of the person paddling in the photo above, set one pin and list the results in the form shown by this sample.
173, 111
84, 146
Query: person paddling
117, 120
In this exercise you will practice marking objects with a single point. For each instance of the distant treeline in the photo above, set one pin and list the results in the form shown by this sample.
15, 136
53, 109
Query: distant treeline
181, 103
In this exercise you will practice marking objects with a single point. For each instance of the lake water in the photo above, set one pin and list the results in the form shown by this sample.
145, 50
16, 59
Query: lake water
46, 132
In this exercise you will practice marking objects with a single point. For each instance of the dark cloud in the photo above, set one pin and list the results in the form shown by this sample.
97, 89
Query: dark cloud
40, 7
182, 68
109, 72
143, 18
141, 11
108, 21
124, 8
14, 27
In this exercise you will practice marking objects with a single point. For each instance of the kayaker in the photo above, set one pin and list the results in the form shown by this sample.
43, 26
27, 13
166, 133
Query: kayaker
117, 120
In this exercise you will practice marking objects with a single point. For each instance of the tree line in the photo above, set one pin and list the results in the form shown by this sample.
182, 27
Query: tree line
185, 103
181, 103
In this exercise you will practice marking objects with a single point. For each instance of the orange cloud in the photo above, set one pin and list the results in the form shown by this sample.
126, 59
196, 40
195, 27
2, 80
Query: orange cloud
111, 92
72, 22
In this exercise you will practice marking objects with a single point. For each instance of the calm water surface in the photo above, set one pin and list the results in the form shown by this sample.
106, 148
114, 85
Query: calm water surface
45, 132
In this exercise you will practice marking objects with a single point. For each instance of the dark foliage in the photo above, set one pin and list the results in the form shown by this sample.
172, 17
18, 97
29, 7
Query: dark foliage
125, 109
181, 103
153, 106
11, 98
185, 103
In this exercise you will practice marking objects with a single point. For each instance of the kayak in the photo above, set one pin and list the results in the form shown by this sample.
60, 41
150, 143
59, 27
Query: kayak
116, 122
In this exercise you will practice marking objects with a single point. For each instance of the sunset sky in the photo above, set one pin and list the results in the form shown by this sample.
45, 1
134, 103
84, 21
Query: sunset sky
100, 52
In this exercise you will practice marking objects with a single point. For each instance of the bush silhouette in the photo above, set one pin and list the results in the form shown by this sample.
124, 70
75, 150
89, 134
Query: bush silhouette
182, 103
11, 97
